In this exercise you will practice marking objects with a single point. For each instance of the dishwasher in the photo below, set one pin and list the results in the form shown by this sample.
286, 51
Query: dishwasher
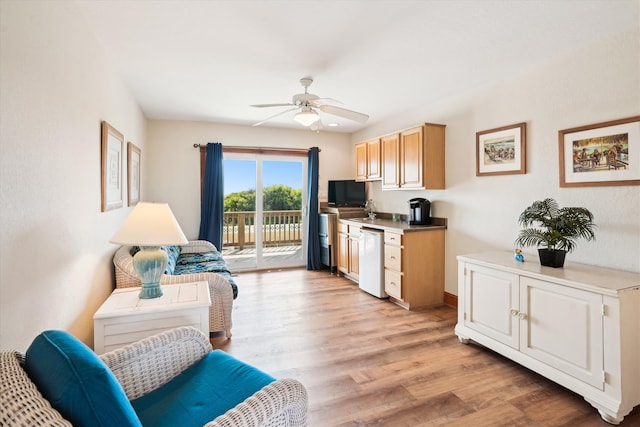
371, 277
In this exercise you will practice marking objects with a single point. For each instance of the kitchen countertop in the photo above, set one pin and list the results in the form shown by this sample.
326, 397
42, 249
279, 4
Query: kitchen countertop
397, 226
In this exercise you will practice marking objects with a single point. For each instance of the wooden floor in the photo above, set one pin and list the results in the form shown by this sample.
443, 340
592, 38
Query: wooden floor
367, 362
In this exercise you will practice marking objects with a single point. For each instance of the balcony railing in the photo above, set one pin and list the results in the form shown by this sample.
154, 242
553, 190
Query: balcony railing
278, 228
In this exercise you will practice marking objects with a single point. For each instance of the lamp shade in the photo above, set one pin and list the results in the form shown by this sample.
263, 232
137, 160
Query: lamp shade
306, 117
150, 224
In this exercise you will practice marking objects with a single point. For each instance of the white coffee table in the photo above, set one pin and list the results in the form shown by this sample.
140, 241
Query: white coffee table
125, 318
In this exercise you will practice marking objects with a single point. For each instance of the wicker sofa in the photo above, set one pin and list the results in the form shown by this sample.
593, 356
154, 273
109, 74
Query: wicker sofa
222, 293
138, 370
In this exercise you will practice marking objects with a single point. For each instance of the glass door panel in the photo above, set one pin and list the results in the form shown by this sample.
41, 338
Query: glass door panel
264, 222
239, 227
282, 208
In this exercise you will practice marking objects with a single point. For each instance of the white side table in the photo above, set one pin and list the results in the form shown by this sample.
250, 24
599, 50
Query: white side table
124, 318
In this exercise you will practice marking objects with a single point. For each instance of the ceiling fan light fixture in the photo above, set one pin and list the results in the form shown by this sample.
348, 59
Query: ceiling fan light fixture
308, 105
306, 117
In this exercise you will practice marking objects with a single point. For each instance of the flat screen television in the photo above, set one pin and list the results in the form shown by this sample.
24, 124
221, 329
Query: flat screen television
347, 193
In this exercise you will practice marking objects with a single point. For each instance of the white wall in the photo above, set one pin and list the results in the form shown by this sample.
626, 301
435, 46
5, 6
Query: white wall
56, 86
593, 85
175, 165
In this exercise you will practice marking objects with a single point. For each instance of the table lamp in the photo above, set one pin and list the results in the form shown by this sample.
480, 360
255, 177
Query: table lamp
150, 225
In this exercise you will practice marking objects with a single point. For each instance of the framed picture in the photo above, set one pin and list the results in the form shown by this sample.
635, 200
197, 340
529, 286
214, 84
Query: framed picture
501, 151
112, 142
602, 154
133, 173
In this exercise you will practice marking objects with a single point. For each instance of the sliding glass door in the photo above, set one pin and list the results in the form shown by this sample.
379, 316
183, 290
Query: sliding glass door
264, 223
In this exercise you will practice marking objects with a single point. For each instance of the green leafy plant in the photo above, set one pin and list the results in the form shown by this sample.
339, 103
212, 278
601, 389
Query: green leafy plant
547, 225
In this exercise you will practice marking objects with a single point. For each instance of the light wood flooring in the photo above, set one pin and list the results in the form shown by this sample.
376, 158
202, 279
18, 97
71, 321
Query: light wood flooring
368, 362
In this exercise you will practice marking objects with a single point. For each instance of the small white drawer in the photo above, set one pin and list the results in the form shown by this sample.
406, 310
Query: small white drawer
393, 283
393, 257
391, 238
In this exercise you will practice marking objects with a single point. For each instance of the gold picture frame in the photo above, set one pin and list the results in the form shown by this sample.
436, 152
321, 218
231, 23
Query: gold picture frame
601, 154
501, 151
111, 168
133, 173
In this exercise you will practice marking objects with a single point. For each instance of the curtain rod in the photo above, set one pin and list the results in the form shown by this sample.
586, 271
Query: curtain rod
238, 149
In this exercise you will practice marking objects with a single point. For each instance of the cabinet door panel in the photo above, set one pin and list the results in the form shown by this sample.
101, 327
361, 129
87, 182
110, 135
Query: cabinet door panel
411, 159
562, 327
390, 152
354, 256
361, 161
373, 160
343, 253
490, 297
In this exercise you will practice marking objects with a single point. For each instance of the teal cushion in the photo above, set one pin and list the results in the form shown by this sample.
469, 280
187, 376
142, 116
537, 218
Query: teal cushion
207, 389
197, 257
173, 252
77, 382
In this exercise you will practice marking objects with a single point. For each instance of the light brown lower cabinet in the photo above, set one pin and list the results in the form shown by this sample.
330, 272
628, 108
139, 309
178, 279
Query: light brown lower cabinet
349, 250
414, 267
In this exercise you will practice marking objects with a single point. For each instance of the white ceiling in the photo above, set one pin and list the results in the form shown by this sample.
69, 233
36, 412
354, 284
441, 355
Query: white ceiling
210, 60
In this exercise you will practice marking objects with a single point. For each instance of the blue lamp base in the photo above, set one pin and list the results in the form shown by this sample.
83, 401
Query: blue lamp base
150, 263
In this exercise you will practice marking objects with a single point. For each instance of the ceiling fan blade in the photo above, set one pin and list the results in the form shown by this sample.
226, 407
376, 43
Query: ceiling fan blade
321, 101
274, 116
272, 105
343, 112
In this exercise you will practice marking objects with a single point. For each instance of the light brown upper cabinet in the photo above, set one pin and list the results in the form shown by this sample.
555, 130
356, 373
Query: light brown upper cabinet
390, 161
368, 160
414, 158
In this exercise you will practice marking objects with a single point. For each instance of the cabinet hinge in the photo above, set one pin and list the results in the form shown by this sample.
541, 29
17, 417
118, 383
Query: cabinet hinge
604, 377
604, 309
464, 316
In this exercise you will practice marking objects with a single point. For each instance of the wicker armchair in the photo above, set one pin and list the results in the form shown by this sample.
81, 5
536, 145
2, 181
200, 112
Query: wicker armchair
142, 367
219, 288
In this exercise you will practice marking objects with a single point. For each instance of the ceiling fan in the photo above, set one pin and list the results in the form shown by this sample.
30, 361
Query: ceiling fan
308, 103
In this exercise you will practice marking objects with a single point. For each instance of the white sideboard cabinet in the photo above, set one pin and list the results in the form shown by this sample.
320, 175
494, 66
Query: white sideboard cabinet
578, 326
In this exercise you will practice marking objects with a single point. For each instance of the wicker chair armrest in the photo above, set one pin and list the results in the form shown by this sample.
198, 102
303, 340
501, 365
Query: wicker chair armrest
281, 403
197, 246
21, 402
145, 365
126, 276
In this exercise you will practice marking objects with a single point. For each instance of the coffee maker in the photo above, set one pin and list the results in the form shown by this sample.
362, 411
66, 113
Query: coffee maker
419, 211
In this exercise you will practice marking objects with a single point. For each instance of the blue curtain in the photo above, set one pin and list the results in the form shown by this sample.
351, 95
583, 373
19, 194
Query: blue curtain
212, 210
314, 260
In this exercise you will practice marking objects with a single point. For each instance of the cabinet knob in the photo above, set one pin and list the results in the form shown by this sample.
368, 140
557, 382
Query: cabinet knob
522, 316
514, 312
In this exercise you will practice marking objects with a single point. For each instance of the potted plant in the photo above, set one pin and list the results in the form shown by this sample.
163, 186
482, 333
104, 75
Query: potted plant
554, 230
